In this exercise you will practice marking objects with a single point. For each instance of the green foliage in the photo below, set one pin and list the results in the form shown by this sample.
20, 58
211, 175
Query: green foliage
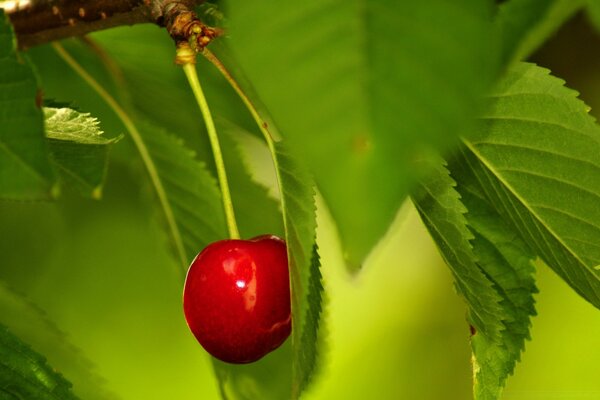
25, 169
298, 206
157, 89
191, 192
514, 182
36, 144
79, 152
311, 340
523, 25
492, 270
296, 194
367, 94
593, 12
535, 156
380, 84
506, 261
256, 211
24, 374
33, 326
440, 207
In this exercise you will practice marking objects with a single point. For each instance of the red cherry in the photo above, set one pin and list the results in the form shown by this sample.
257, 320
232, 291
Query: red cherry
236, 298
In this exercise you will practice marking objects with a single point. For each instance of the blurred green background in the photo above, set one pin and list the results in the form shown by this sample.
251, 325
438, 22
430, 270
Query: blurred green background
102, 273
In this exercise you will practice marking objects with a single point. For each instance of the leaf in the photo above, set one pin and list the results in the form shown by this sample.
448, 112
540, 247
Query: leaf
190, 191
311, 338
524, 25
439, 205
79, 151
193, 193
506, 261
593, 13
31, 325
536, 156
298, 206
256, 212
24, 374
69, 125
157, 80
25, 169
365, 85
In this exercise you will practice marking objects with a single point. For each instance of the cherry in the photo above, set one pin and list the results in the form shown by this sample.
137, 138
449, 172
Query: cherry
236, 298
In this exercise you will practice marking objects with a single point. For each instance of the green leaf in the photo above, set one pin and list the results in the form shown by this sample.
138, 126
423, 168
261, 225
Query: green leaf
442, 211
158, 81
25, 169
593, 13
524, 25
31, 325
492, 270
24, 374
506, 261
69, 125
191, 193
298, 206
536, 156
311, 339
256, 212
194, 197
79, 150
362, 86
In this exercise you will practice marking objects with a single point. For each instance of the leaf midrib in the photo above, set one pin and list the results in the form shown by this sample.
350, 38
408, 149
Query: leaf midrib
498, 176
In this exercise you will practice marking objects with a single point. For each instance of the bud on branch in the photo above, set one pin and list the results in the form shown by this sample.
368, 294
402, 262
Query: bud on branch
41, 21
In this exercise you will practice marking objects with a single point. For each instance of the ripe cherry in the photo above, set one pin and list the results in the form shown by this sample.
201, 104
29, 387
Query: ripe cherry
236, 298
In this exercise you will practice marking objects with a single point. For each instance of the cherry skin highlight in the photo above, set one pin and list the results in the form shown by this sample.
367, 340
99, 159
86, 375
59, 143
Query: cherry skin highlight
236, 298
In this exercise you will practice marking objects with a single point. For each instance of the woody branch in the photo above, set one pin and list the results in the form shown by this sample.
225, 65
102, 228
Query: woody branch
41, 21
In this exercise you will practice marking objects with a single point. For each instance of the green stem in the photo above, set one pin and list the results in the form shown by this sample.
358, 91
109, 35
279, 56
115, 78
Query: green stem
190, 72
141, 147
260, 121
268, 135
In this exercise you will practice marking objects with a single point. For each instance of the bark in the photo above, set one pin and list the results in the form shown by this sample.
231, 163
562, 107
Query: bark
41, 21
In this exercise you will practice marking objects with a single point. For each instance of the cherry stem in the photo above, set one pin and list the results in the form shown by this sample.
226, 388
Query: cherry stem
189, 68
260, 121
139, 144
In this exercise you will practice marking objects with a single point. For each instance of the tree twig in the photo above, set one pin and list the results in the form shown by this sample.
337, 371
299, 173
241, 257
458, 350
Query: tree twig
42, 21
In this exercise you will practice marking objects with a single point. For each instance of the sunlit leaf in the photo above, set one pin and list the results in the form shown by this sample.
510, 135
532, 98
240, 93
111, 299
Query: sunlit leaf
78, 149
536, 156
25, 168
361, 90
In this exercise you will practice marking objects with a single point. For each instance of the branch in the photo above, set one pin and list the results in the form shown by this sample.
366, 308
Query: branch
42, 21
